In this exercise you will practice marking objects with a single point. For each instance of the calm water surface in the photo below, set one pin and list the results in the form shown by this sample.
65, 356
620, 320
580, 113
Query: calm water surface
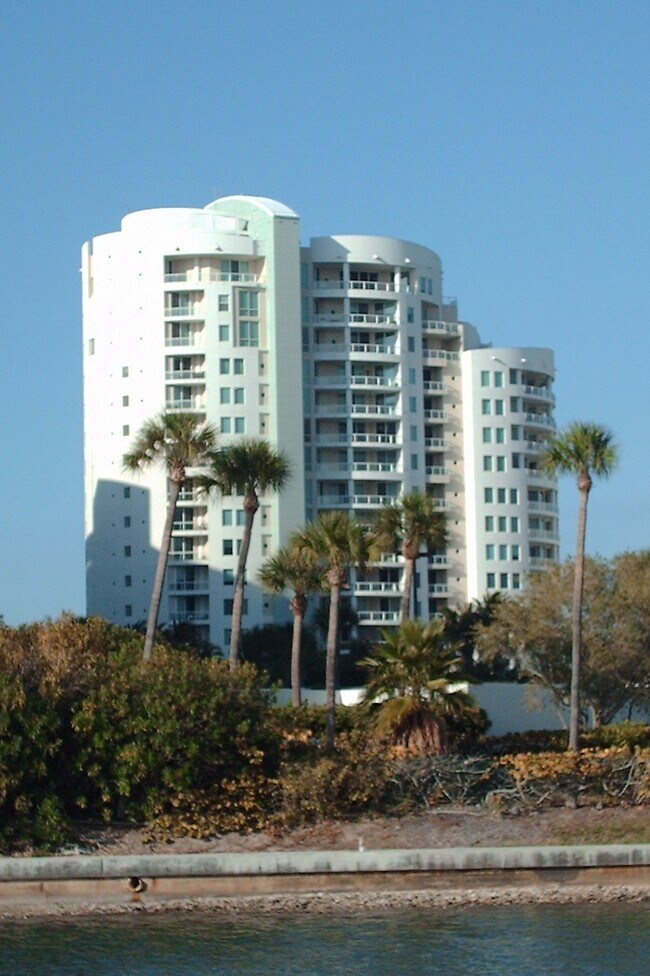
610, 940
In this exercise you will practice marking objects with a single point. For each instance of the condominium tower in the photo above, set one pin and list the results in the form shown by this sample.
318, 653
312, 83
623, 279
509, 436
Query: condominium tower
343, 354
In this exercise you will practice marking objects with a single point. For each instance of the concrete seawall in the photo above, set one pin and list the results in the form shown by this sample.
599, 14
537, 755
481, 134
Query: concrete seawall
87, 883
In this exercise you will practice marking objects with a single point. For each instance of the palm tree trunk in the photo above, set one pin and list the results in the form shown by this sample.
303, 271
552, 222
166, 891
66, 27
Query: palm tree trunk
576, 618
298, 605
330, 662
407, 586
161, 567
238, 595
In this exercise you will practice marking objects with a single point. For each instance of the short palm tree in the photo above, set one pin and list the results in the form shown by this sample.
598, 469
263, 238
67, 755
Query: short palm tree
415, 527
297, 570
247, 466
178, 441
584, 450
412, 674
338, 542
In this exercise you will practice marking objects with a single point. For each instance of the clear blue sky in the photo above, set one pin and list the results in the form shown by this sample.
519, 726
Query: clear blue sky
511, 137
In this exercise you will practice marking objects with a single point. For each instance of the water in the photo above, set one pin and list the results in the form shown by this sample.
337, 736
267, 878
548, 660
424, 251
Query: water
593, 940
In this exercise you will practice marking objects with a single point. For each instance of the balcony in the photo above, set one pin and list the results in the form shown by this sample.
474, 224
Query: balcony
191, 311
191, 617
372, 349
333, 319
359, 379
372, 286
539, 506
543, 392
435, 442
333, 501
185, 374
188, 555
335, 380
440, 328
434, 471
434, 414
378, 409
364, 319
364, 587
188, 586
331, 409
325, 285
383, 467
539, 419
438, 589
358, 438
190, 405
198, 524
210, 275
373, 500
552, 535
379, 617
433, 386
439, 355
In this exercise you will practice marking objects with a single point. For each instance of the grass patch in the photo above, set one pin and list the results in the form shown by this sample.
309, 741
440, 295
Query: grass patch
609, 833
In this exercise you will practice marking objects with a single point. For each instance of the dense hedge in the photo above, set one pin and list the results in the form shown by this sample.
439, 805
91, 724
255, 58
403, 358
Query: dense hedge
88, 732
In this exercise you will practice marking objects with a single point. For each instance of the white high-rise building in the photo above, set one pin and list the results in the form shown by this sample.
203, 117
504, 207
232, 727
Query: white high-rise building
344, 355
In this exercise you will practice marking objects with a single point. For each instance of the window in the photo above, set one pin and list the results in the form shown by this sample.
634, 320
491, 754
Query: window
128, 610
515, 432
91, 347
125, 370
410, 315
516, 460
224, 366
514, 404
503, 523
503, 581
498, 379
514, 523
487, 435
224, 333
514, 496
224, 303
226, 516
125, 401
503, 552
516, 581
227, 547
225, 425
488, 495
127, 521
414, 462
485, 377
487, 462
514, 375
127, 491
249, 333
224, 394
501, 496
238, 367
515, 553
239, 394
489, 523
414, 432
413, 404
486, 407
500, 435
411, 375
241, 516
240, 425
229, 577
498, 408
410, 343
491, 581
227, 608
489, 551
125, 430
127, 581
501, 463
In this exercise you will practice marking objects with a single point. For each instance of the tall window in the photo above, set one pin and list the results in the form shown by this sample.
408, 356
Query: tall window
249, 324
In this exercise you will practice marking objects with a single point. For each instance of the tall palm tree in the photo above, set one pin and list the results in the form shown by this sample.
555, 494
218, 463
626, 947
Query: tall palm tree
248, 466
178, 441
337, 541
415, 527
583, 450
413, 672
298, 570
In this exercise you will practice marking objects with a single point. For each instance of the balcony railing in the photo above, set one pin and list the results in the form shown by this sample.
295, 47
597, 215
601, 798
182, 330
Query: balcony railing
188, 586
194, 311
363, 409
542, 419
440, 328
372, 286
442, 355
333, 380
193, 617
358, 438
185, 374
434, 414
433, 386
379, 466
371, 319
358, 379
330, 409
435, 442
542, 506
364, 586
190, 405
373, 349
378, 616
434, 471
324, 285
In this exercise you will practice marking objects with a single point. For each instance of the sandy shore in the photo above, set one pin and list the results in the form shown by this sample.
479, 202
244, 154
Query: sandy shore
328, 903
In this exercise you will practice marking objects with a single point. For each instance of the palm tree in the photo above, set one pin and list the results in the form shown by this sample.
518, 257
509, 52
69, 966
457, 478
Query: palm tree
583, 450
179, 441
246, 467
337, 542
414, 526
299, 570
413, 672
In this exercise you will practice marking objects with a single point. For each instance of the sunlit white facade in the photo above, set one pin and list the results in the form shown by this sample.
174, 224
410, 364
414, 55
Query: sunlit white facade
345, 355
